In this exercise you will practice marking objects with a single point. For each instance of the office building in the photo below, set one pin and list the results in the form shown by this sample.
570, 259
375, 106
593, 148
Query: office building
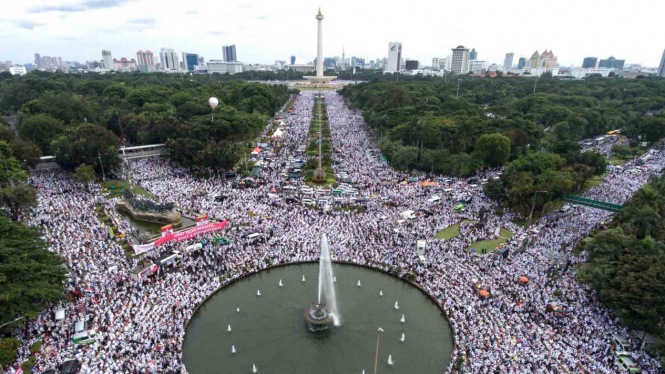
190, 61
612, 63
293, 60
478, 67
473, 55
521, 63
145, 58
124, 64
440, 63
411, 65
394, 57
108, 59
169, 59
661, 67
18, 70
357, 62
230, 53
508, 61
460, 60
223, 67
38, 59
589, 62
544, 60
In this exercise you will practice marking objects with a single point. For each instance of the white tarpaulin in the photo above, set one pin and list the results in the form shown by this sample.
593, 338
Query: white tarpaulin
278, 134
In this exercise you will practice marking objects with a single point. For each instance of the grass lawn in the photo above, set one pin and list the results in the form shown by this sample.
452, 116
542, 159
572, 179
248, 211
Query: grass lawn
491, 244
449, 232
119, 188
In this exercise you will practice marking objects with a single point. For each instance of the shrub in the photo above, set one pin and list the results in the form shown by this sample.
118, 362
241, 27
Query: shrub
8, 350
35, 348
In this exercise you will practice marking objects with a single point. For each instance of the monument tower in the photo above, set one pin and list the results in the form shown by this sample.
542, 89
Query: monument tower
319, 80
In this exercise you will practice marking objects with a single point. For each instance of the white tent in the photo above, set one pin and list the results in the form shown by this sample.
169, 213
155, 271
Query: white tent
278, 134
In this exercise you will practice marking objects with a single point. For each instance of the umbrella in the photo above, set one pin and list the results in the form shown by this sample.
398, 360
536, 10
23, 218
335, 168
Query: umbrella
524, 279
483, 293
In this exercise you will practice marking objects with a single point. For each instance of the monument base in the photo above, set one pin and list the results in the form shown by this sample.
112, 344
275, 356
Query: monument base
320, 81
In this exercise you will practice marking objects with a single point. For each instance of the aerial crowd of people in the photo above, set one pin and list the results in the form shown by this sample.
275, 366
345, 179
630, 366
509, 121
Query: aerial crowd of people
536, 316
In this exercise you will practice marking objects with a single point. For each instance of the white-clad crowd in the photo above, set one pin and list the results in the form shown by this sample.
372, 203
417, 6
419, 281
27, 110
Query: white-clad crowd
141, 323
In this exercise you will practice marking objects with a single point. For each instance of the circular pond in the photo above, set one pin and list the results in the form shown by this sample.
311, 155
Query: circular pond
269, 331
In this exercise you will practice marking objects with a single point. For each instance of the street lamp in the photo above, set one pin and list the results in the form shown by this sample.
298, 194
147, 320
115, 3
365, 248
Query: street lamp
458, 82
535, 84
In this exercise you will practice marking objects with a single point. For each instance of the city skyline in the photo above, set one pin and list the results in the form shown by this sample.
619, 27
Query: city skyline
266, 31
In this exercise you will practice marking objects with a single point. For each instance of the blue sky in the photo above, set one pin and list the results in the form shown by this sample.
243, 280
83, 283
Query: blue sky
265, 31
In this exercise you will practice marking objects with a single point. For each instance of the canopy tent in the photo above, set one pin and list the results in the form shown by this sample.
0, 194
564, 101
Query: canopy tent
256, 151
278, 134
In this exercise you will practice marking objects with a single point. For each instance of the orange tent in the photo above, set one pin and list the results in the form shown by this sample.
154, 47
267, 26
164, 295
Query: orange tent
483, 293
524, 280
256, 150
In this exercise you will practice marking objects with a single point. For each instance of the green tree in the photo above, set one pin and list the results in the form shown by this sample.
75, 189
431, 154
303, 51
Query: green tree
8, 350
6, 133
30, 275
41, 129
17, 198
493, 149
84, 174
26, 152
11, 170
86, 144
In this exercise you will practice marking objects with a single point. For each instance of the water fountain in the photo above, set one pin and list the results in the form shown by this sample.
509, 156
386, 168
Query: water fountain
396, 305
237, 310
390, 360
303, 277
358, 283
229, 328
403, 338
233, 349
254, 370
403, 320
280, 283
258, 292
323, 314
381, 293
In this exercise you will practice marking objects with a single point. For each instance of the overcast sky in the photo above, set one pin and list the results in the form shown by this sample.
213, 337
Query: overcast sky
265, 31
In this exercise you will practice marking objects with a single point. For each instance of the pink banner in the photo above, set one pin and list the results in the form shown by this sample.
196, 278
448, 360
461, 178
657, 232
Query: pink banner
180, 236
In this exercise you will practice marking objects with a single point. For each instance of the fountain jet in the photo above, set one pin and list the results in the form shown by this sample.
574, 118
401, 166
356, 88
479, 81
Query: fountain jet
237, 310
233, 349
396, 305
303, 277
390, 360
402, 319
326, 280
381, 293
403, 338
228, 328
358, 283
254, 370
258, 292
280, 283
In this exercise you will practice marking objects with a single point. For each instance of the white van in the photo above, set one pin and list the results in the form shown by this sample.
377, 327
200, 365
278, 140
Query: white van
408, 214
193, 247
433, 199
170, 259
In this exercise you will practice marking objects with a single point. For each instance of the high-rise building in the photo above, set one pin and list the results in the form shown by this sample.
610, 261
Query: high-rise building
473, 55
661, 68
394, 57
612, 63
411, 65
145, 58
521, 63
190, 61
508, 61
544, 60
124, 64
38, 59
108, 59
169, 59
59, 61
478, 66
202, 61
589, 63
230, 53
293, 60
460, 60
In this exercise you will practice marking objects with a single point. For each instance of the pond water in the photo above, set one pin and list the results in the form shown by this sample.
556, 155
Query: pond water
270, 332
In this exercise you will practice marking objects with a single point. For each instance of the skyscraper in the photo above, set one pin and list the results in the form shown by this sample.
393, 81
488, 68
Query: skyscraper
230, 53
394, 57
661, 68
460, 60
473, 55
612, 63
190, 61
38, 59
522, 63
508, 62
145, 58
169, 59
108, 59
293, 60
589, 62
